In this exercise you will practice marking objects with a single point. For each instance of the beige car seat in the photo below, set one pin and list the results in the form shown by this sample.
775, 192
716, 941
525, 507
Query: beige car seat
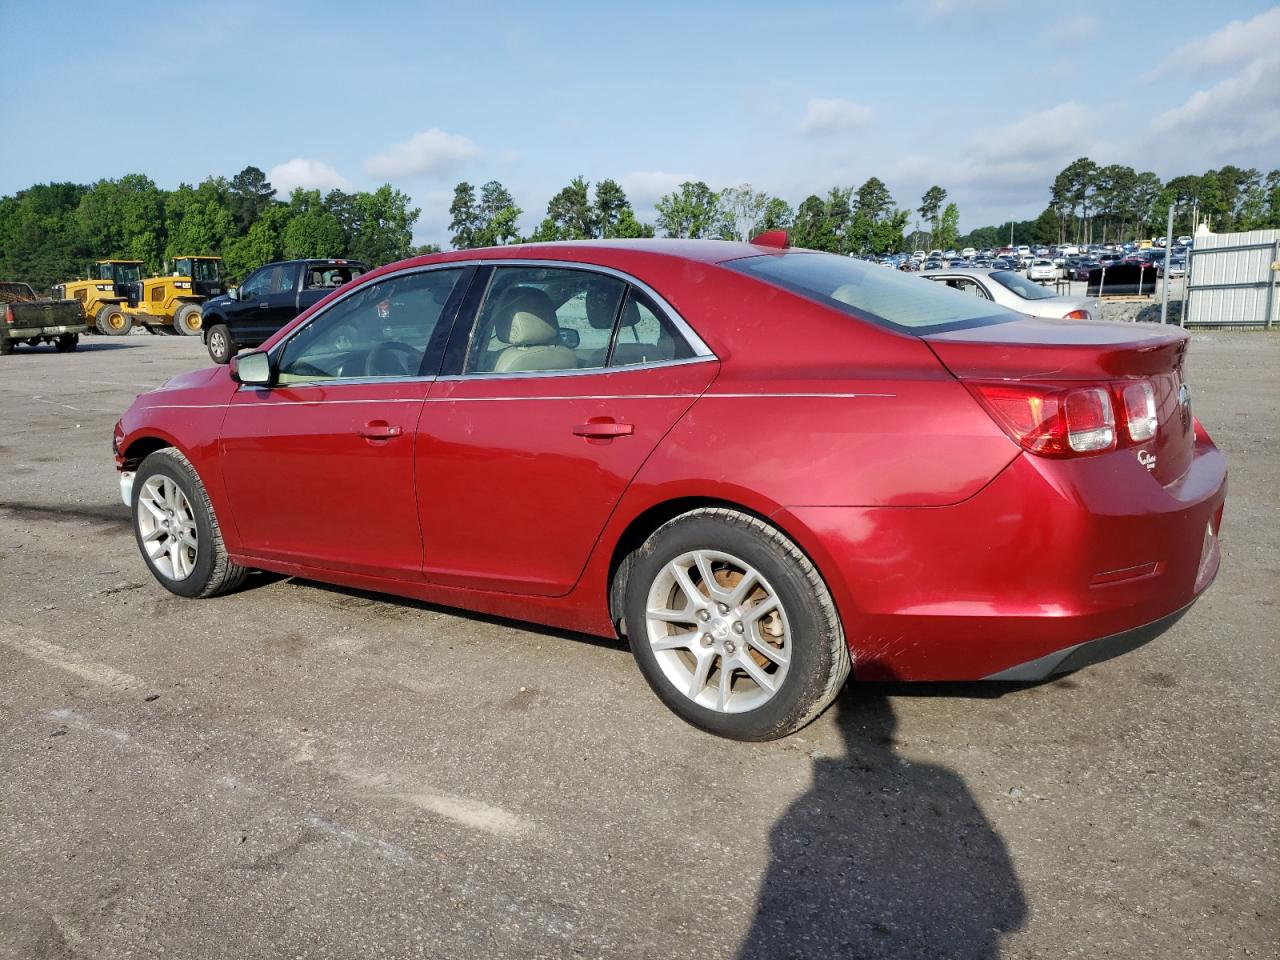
527, 325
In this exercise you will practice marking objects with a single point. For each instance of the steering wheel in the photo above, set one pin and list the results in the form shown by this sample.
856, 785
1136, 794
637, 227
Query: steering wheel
398, 355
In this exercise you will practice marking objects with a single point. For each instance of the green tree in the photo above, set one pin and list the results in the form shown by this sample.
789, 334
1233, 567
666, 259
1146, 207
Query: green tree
930, 208
249, 194
465, 212
778, 215
691, 211
498, 214
384, 226
610, 207
628, 227
572, 212
312, 229
810, 224
948, 228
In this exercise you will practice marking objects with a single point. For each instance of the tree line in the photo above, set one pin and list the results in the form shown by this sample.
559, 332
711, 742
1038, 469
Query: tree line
53, 232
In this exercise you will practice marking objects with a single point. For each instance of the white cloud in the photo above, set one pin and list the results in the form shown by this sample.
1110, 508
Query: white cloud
1238, 41
1065, 128
830, 116
1236, 120
429, 152
305, 173
929, 10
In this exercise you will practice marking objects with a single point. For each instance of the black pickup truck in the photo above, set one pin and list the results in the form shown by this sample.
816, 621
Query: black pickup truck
26, 318
246, 316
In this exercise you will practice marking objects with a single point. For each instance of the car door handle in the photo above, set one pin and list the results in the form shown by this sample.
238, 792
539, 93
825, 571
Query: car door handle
263, 305
603, 429
379, 430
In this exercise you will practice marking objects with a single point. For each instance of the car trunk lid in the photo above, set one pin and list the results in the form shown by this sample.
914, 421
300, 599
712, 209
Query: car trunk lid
1076, 351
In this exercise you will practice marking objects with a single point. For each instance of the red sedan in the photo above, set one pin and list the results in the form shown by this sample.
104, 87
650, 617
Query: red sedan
764, 467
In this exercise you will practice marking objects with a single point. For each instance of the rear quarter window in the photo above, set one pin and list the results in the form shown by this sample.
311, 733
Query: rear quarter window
883, 296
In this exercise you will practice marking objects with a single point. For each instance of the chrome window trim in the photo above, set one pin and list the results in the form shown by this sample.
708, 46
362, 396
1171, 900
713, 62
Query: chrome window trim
579, 372
695, 342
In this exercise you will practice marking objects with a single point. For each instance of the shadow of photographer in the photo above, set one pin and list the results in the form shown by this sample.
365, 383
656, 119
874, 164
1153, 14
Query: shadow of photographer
882, 858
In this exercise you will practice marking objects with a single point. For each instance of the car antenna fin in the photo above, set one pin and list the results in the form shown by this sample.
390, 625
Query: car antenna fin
772, 238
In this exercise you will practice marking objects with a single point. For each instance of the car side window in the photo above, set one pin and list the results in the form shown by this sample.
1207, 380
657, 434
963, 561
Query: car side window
257, 285
543, 319
282, 279
645, 335
971, 287
389, 328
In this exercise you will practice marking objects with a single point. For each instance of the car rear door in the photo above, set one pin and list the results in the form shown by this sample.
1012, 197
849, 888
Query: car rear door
518, 467
319, 469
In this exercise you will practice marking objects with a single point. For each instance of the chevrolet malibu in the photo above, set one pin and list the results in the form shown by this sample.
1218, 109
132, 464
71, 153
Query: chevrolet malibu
766, 468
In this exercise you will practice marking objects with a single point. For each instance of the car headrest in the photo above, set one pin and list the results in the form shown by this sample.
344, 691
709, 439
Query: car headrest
526, 318
602, 305
630, 315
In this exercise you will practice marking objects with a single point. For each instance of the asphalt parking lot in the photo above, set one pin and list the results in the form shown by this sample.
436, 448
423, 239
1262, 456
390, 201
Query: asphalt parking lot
303, 771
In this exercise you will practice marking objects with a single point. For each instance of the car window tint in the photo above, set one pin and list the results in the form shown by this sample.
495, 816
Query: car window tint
965, 285
544, 319
870, 292
1027, 289
257, 285
645, 335
384, 329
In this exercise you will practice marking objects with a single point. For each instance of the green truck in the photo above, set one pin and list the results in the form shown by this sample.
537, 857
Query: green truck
34, 320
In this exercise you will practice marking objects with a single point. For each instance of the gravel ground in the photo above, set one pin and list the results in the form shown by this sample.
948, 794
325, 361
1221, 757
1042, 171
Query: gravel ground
302, 771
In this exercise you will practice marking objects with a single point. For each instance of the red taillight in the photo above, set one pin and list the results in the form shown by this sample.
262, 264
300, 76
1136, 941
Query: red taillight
8, 314
1058, 420
1076, 315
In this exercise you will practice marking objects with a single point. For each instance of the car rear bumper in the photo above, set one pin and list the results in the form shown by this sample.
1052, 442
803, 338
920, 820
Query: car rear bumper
26, 333
1053, 565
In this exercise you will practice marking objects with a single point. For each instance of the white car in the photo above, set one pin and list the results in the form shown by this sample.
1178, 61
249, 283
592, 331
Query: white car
968, 253
1013, 290
1042, 269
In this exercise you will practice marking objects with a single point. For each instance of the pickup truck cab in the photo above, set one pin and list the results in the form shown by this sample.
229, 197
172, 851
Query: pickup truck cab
26, 318
246, 316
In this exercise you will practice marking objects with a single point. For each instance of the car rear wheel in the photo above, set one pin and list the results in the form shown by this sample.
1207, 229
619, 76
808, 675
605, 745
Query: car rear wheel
111, 320
221, 347
67, 342
187, 320
733, 627
176, 530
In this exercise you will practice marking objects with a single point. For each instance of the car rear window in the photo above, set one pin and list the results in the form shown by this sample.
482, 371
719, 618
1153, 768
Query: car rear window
891, 298
1027, 289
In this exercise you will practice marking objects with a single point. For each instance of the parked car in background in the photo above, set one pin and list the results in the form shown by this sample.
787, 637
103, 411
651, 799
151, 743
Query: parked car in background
1041, 269
1082, 268
274, 294
537, 437
1177, 267
1015, 292
33, 320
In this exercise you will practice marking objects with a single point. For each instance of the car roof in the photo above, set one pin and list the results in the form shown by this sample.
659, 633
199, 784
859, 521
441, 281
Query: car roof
702, 251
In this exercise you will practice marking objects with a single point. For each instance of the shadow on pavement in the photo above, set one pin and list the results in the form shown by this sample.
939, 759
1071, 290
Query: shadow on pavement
883, 859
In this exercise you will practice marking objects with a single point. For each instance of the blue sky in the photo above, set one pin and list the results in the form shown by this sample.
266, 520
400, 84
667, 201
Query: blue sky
988, 99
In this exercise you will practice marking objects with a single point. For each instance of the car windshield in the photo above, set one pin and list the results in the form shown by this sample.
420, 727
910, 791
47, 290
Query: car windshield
1026, 289
888, 297
206, 271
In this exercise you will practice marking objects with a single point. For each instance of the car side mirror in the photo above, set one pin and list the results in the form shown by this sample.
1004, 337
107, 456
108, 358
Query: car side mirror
570, 338
253, 369
233, 293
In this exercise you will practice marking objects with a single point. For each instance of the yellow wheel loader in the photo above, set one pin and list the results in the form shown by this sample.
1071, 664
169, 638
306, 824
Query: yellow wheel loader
119, 297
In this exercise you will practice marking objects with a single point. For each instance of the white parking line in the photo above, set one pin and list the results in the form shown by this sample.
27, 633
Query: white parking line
55, 656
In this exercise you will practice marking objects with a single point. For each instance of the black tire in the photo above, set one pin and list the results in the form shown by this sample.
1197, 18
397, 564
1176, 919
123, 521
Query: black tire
221, 347
819, 663
213, 572
67, 342
112, 321
187, 320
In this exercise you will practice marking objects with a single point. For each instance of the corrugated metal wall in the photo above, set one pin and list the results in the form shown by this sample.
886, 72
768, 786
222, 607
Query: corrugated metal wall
1230, 280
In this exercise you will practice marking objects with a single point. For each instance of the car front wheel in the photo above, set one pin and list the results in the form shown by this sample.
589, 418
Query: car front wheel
221, 346
177, 531
733, 627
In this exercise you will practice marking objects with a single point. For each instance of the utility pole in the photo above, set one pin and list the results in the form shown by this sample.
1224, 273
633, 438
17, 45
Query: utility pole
1168, 246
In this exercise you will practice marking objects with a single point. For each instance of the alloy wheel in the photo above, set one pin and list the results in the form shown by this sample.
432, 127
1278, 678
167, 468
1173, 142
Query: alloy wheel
718, 631
167, 527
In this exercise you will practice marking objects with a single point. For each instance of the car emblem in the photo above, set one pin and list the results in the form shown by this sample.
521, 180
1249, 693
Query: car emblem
1147, 459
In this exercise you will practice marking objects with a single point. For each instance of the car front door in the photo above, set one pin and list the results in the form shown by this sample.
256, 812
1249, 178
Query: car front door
565, 383
244, 314
319, 468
